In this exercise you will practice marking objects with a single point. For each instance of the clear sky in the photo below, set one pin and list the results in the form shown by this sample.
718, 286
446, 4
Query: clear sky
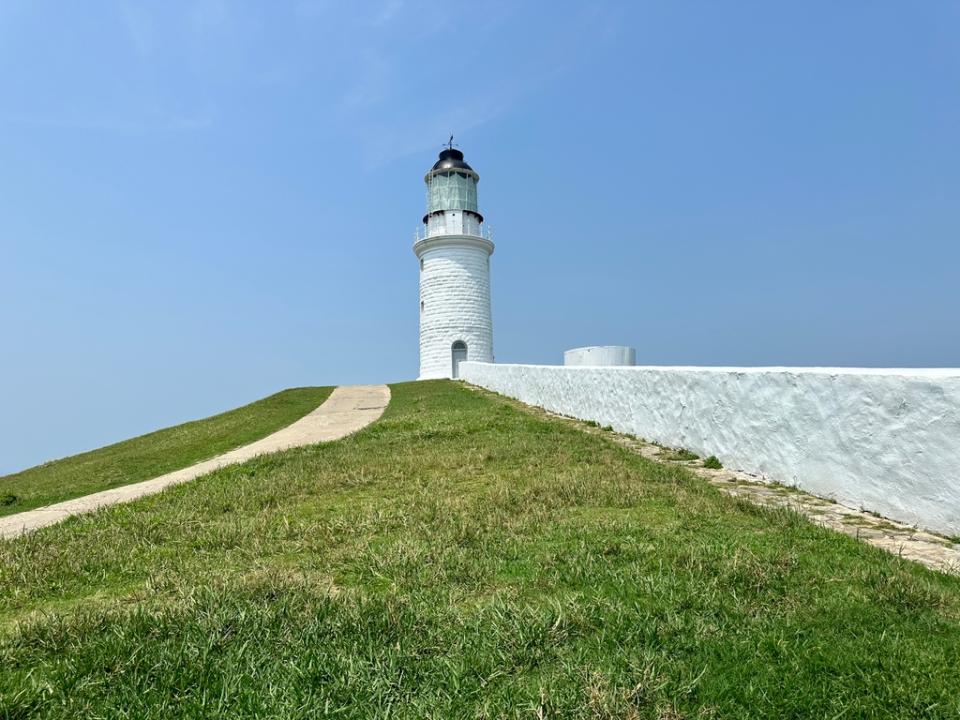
204, 202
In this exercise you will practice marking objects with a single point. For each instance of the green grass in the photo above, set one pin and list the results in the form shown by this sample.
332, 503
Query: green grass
464, 558
713, 463
677, 454
159, 452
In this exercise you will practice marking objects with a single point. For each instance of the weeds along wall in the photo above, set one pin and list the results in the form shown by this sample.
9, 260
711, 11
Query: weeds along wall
882, 440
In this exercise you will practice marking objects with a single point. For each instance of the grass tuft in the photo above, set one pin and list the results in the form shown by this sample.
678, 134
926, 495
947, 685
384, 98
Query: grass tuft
713, 463
677, 454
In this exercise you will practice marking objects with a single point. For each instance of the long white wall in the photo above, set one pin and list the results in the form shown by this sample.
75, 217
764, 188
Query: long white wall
884, 440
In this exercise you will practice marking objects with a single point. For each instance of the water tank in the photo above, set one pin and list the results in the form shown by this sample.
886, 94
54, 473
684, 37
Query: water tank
601, 355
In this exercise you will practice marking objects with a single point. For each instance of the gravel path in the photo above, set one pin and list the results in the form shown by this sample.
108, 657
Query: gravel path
348, 409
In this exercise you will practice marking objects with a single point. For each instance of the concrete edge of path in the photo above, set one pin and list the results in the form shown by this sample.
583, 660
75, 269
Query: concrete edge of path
348, 409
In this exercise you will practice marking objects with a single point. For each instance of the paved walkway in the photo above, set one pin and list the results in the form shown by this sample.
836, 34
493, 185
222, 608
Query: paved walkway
348, 409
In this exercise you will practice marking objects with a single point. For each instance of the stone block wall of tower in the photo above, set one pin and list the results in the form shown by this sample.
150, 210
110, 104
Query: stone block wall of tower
455, 305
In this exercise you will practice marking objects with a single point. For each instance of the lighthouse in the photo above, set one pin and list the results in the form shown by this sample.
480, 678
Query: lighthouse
454, 252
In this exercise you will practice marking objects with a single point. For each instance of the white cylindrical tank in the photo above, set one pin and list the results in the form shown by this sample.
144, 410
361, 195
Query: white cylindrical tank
601, 355
455, 320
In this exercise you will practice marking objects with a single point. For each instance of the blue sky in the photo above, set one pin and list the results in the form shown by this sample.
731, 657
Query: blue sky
204, 202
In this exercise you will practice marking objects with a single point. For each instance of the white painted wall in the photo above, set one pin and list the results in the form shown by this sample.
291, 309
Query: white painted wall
884, 440
604, 355
455, 301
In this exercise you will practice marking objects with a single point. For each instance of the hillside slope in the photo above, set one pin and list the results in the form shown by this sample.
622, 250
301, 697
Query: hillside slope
156, 453
462, 557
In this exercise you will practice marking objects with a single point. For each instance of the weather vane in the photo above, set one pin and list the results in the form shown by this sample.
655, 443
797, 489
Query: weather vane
450, 145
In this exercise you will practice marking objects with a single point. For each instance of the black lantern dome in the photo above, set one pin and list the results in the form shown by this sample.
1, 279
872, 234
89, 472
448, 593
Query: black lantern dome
451, 159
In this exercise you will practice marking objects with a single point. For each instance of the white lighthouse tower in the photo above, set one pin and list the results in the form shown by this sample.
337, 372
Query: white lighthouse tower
454, 254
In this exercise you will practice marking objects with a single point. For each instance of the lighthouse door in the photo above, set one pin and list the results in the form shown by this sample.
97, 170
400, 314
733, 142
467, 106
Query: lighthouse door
459, 355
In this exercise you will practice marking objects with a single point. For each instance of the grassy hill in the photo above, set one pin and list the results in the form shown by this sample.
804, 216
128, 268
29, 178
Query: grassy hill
159, 452
464, 558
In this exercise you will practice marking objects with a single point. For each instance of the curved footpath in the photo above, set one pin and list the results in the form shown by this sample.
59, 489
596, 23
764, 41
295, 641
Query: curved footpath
348, 409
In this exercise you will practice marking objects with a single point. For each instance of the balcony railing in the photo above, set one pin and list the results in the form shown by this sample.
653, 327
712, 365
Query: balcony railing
421, 233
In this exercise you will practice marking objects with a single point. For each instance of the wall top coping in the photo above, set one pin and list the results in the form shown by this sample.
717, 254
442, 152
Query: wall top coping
600, 347
901, 372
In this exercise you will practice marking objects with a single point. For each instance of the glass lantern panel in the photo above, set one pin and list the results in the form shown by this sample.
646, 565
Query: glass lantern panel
451, 192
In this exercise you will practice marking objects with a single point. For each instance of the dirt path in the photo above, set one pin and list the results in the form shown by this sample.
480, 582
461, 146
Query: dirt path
348, 409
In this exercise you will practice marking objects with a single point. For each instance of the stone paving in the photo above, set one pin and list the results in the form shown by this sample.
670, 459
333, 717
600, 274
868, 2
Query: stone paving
930, 549
348, 409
